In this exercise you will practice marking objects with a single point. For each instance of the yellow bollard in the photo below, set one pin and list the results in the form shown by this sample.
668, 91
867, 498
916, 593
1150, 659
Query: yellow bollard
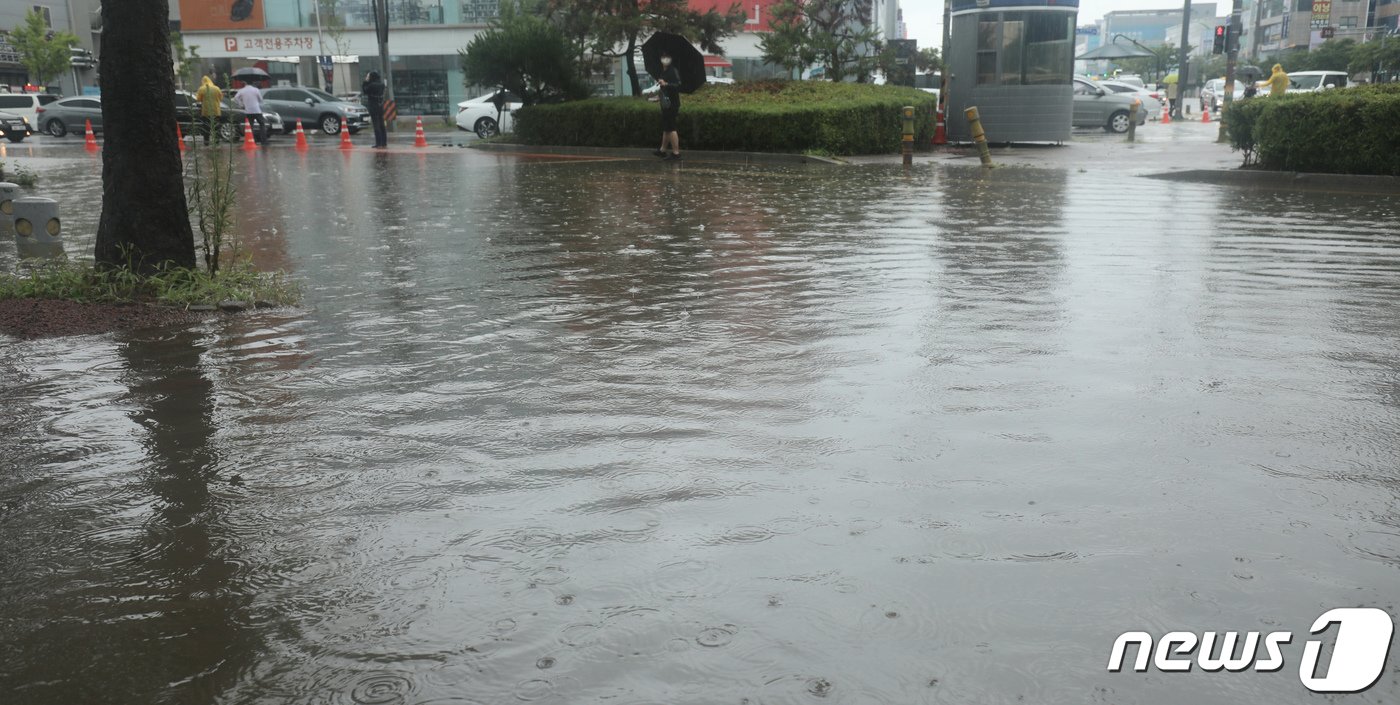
1132, 119
908, 146
978, 136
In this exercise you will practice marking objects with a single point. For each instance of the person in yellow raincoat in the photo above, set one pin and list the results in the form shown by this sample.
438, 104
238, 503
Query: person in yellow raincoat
1277, 82
211, 107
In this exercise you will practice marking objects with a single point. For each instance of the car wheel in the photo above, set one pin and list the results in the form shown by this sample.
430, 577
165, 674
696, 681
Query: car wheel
227, 132
487, 127
15, 138
330, 124
56, 128
1117, 122
288, 128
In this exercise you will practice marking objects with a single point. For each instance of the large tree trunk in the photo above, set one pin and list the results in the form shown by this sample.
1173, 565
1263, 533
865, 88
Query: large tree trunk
145, 220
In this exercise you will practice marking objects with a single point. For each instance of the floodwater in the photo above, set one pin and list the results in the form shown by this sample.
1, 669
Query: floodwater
628, 433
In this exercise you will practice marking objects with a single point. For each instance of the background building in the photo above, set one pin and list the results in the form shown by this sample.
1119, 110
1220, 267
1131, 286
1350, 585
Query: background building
284, 37
79, 17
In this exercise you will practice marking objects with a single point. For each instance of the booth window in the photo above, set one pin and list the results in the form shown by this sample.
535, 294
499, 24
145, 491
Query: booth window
987, 44
1025, 48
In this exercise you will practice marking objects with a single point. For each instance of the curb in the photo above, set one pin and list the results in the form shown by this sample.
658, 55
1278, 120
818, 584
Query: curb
1352, 183
740, 158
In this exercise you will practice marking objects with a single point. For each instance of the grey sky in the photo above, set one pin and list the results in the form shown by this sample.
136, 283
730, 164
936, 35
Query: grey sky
925, 17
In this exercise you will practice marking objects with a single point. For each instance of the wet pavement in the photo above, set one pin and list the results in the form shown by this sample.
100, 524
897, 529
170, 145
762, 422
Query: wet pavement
569, 431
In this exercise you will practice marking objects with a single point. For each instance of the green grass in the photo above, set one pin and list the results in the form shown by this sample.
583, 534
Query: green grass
178, 287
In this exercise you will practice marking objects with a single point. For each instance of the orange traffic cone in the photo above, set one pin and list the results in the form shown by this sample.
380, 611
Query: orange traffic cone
1205, 114
248, 143
89, 139
940, 131
345, 136
418, 139
179, 137
1166, 116
301, 138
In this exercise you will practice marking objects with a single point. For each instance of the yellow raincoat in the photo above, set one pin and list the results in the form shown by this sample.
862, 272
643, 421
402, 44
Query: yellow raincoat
210, 99
1277, 83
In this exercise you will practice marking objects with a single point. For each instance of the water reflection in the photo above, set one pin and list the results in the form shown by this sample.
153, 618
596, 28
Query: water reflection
138, 595
576, 432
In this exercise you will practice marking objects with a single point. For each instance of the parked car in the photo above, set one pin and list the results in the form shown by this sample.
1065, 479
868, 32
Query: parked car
479, 114
1310, 81
1131, 79
26, 105
230, 125
70, 115
1213, 93
315, 108
1151, 100
14, 127
1096, 106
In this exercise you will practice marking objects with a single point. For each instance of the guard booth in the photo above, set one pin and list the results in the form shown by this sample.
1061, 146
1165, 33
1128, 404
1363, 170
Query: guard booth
1014, 60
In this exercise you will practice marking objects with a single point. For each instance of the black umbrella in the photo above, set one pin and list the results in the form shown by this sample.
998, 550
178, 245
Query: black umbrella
686, 58
251, 74
1249, 73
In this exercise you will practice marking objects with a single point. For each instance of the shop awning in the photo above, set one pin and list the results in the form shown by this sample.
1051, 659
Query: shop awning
717, 62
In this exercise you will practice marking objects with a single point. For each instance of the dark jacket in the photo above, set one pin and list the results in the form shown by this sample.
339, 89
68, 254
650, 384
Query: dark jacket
373, 92
672, 77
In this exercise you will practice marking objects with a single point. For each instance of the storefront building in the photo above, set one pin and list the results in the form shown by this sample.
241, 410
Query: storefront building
285, 37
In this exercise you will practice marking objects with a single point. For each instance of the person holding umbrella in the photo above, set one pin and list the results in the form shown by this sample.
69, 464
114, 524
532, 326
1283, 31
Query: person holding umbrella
250, 99
670, 99
678, 67
373, 91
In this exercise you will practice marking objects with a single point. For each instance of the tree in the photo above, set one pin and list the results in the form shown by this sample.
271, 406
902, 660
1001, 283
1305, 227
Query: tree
145, 220
187, 61
333, 22
44, 52
928, 60
838, 35
525, 54
615, 28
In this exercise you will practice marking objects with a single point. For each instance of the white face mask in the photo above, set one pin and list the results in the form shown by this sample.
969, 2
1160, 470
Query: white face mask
666, 62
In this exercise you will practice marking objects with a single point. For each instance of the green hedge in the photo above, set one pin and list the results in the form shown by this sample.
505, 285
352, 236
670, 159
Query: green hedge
1343, 131
761, 116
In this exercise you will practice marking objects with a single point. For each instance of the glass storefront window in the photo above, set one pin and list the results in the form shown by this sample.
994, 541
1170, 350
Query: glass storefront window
987, 50
480, 11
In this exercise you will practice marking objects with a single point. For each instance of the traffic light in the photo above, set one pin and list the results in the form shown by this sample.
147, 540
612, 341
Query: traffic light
1219, 46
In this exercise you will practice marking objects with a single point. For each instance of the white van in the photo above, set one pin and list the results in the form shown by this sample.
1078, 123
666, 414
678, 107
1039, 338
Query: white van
26, 104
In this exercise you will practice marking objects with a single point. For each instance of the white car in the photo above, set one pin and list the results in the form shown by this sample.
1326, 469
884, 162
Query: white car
1310, 81
481, 116
1151, 100
1213, 93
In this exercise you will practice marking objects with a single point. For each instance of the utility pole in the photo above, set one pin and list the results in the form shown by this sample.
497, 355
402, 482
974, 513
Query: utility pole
1232, 53
1182, 58
381, 31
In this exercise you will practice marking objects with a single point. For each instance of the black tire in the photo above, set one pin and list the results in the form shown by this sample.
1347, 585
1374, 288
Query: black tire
227, 131
486, 127
15, 138
56, 128
330, 123
1117, 122
289, 128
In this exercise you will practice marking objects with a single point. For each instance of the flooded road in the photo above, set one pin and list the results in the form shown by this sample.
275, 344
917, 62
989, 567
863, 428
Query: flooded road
618, 432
